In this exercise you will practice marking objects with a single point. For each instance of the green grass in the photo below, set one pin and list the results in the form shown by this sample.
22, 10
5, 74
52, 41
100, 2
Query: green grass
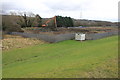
67, 59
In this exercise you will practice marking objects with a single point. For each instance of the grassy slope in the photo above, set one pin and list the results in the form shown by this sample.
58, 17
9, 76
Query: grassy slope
97, 58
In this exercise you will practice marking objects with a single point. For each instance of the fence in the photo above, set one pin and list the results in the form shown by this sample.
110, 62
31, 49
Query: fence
68, 36
45, 37
100, 35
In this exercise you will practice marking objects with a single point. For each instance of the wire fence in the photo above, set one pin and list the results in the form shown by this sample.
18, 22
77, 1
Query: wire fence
100, 35
62, 37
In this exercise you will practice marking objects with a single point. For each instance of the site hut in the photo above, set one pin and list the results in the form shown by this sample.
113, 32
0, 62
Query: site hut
79, 36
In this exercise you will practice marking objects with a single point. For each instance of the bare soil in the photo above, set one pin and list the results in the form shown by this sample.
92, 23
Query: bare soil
71, 30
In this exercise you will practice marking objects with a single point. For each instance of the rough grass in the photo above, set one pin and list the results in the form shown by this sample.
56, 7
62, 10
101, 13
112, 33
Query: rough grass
12, 42
67, 59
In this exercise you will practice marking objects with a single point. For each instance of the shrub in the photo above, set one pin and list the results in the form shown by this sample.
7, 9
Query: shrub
9, 24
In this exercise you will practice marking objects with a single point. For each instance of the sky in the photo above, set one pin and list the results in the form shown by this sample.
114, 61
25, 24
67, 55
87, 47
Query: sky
106, 10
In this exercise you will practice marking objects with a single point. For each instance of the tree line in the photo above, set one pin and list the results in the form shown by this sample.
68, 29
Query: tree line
29, 20
14, 22
64, 21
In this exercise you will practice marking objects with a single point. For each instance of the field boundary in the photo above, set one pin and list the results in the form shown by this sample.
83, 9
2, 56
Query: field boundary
67, 36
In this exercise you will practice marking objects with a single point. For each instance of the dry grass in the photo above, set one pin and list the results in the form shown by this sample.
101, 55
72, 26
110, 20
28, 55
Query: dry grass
12, 42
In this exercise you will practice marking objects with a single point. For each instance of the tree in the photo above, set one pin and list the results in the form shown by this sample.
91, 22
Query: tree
13, 13
64, 21
37, 21
26, 19
9, 24
30, 17
21, 21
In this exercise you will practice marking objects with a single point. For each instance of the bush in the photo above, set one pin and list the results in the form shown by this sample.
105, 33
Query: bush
14, 28
9, 24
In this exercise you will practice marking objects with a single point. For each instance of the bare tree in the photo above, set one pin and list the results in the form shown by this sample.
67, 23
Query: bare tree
37, 21
13, 13
26, 18
30, 14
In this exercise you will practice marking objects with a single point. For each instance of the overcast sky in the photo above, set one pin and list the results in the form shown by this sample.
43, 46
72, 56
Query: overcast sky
106, 10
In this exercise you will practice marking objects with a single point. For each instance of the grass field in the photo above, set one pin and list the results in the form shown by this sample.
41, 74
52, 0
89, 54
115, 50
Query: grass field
67, 59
